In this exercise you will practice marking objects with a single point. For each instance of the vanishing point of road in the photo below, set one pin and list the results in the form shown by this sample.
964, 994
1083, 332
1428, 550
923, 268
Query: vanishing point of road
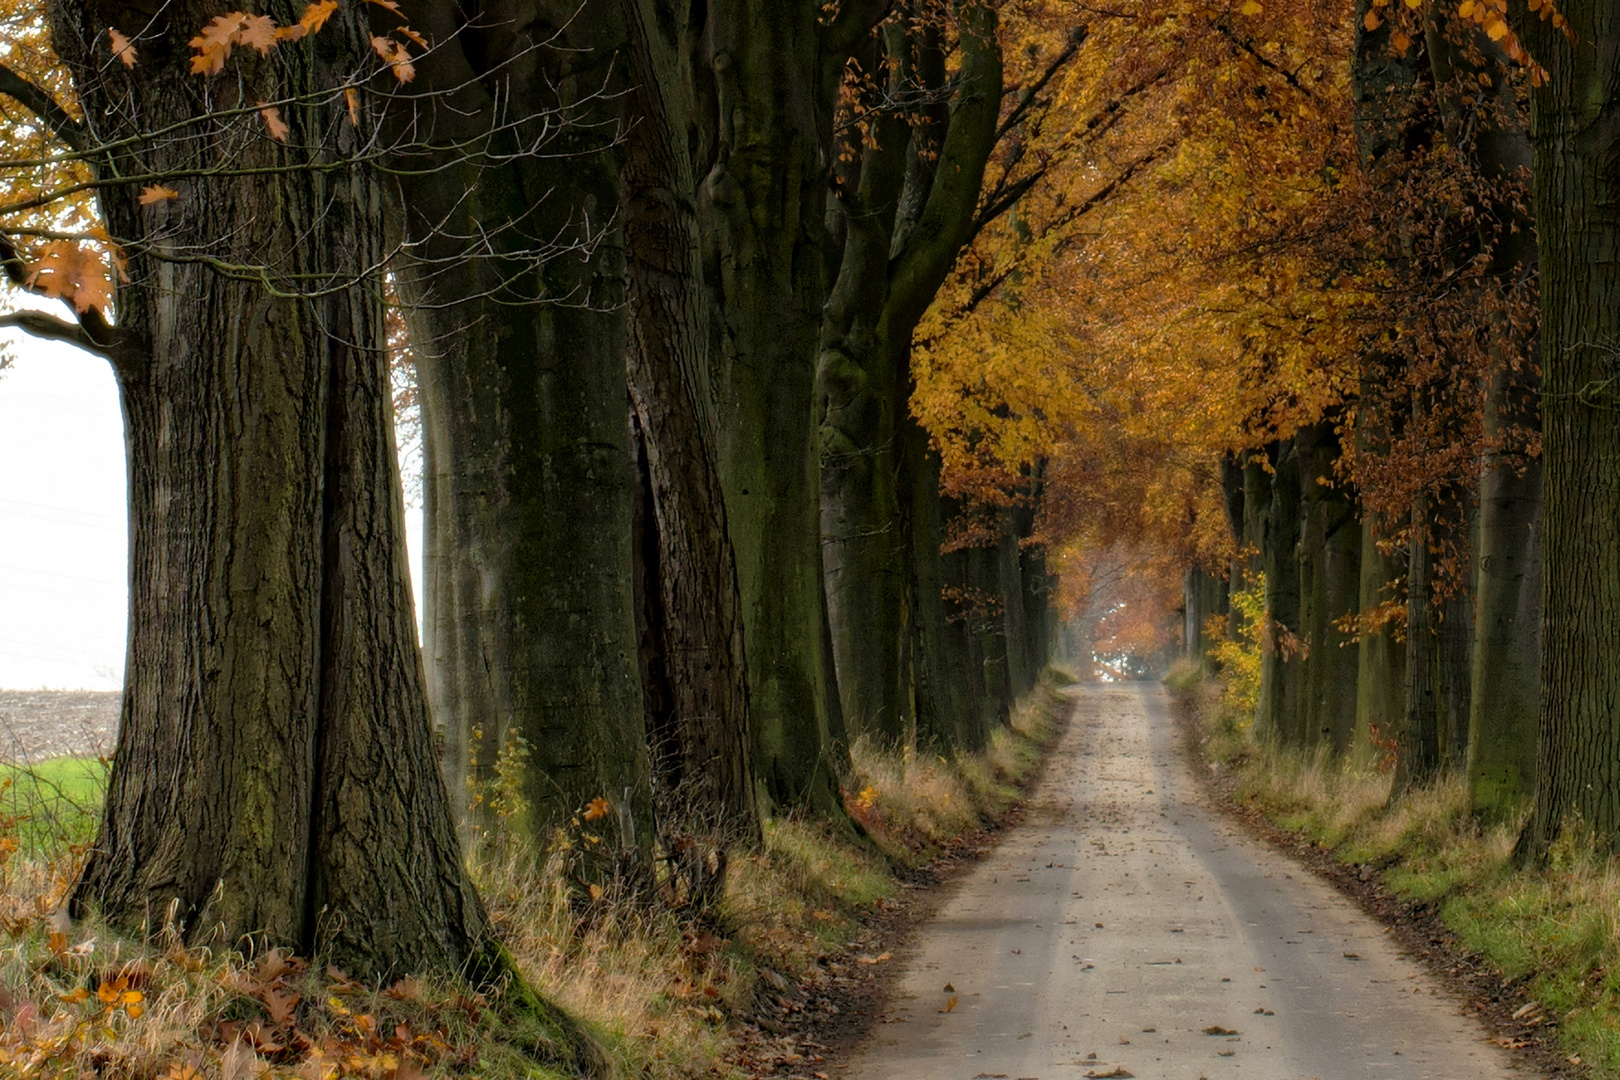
1125, 928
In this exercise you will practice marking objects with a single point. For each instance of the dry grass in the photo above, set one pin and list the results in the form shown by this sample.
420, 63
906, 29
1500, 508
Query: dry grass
1550, 928
661, 989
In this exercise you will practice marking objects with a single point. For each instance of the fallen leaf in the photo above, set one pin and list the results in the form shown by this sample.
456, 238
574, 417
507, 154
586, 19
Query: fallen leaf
1216, 1029
950, 989
1117, 1070
950, 1003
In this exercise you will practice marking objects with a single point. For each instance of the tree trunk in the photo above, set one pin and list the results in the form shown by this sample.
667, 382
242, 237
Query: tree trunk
1330, 569
1507, 649
1576, 133
904, 220
1439, 646
762, 120
1280, 708
698, 633
529, 616
1380, 660
275, 777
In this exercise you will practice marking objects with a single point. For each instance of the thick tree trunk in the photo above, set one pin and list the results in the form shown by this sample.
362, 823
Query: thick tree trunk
275, 776
698, 632
763, 119
1380, 660
1280, 711
1507, 648
1576, 132
1439, 647
904, 222
529, 616
1330, 571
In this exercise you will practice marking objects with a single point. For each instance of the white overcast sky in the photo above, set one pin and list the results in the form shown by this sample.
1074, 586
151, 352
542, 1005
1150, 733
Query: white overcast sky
63, 534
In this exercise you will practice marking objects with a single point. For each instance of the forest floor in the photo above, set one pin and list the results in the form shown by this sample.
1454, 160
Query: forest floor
1128, 927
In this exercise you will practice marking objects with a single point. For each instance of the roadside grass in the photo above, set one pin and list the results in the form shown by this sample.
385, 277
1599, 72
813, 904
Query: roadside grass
665, 991
1551, 930
57, 800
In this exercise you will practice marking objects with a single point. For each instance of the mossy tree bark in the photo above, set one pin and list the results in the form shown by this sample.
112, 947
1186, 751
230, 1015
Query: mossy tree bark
275, 776
1280, 711
693, 608
1575, 128
1330, 573
763, 80
905, 216
529, 627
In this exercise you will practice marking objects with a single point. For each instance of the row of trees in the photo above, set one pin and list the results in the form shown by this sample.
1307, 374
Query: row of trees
660, 267
1434, 538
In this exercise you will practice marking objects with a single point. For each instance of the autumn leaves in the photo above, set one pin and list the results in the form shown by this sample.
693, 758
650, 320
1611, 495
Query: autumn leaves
84, 268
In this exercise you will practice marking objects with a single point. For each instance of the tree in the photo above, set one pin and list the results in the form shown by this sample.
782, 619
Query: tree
514, 144
275, 779
1573, 133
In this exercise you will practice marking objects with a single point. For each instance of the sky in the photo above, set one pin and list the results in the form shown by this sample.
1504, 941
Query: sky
63, 533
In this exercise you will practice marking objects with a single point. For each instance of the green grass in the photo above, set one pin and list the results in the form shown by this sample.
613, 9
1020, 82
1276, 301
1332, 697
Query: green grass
56, 802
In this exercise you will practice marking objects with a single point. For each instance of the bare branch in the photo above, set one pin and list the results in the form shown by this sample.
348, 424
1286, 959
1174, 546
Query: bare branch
42, 105
51, 328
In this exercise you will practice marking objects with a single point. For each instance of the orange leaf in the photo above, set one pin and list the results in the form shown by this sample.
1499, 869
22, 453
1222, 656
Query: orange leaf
121, 48
273, 121
597, 808
156, 193
391, 5
1400, 43
315, 15
213, 44
78, 274
1371, 22
351, 96
257, 32
396, 56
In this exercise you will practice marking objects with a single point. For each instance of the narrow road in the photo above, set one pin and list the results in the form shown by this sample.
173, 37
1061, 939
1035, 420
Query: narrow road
1124, 918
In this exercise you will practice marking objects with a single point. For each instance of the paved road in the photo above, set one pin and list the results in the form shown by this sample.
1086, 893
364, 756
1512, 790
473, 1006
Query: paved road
1123, 918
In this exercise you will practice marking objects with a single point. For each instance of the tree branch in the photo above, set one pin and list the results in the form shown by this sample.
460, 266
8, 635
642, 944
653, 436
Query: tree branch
42, 105
51, 328
854, 18
1026, 98
91, 332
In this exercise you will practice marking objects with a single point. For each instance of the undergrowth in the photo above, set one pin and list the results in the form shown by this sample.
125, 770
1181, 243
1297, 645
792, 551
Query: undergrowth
663, 989
1551, 929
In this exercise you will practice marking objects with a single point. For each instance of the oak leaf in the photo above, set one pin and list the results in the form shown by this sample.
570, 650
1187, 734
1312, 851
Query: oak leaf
257, 32
395, 55
156, 193
121, 48
273, 121
213, 44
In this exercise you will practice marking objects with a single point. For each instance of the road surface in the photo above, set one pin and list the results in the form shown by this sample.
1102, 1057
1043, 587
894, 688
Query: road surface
1124, 925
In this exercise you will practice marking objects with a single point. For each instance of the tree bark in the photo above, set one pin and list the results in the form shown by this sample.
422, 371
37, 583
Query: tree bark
275, 776
699, 634
1575, 129
1380, 660
1280, 708
904, 221
1330, 570
1507, 648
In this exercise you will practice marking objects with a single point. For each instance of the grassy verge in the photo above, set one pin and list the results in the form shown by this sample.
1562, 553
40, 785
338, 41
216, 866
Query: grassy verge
667, 992
1550, 932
